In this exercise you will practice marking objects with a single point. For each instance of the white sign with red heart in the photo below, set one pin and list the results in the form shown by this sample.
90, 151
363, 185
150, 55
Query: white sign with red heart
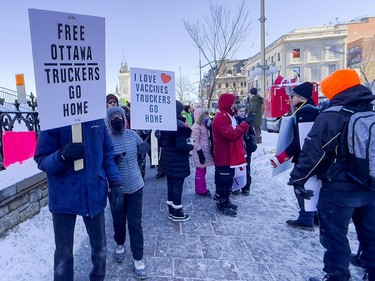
152, 99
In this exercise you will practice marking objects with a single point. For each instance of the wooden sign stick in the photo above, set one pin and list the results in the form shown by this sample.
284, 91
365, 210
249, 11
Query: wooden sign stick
77, 138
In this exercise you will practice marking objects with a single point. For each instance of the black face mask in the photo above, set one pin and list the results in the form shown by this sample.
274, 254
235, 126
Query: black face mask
118, 124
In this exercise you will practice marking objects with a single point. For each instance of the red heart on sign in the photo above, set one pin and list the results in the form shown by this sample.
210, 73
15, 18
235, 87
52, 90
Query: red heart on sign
165, 78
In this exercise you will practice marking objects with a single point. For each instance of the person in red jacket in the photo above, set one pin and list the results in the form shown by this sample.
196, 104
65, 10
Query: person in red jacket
229, 150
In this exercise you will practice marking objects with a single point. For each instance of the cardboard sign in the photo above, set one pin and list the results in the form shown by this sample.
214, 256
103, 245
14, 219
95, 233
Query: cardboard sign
313, 183
69, 65
284, 139
153, 100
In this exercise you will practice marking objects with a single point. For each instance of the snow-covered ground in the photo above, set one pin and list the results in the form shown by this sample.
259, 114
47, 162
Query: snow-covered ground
26, 253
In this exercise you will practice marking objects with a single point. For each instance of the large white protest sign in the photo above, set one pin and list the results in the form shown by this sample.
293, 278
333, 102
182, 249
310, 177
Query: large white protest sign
153, 101
313, 183
284, 139
69, 65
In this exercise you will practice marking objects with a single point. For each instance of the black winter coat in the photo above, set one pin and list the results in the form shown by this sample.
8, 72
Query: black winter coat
175, 151
323, 153
307, 113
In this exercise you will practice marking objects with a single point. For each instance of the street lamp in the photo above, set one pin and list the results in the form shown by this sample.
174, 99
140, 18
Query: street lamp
266, 69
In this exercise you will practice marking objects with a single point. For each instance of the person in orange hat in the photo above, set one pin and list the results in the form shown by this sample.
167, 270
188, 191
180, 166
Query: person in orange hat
341, 199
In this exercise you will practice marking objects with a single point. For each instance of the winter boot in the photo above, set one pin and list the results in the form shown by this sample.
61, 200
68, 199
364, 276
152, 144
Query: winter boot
370, 274
120, 253
140, 269
329, 277
226, 210
234, 207
170, 209
178, 214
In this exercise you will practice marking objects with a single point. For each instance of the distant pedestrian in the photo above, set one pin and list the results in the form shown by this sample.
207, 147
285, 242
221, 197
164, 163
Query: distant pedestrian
112, 100
256, 107
187, 113
82, 192
228, 150
202, 150
127, 145
175, 161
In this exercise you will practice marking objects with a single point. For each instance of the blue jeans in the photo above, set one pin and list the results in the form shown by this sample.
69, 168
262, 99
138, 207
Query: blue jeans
131, 214
63, 226
335, 210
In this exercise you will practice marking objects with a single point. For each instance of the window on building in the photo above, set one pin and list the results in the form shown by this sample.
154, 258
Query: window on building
229, 72
226, 85
314, 73
234, 84
296, 72
278, 56
219, 85
296, 53
331, 68
234, 71
314, 54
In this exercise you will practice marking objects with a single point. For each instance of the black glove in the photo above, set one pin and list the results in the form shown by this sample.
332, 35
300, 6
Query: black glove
250, 118
72, 152
118, 157
117, 197
301, 191
202, 159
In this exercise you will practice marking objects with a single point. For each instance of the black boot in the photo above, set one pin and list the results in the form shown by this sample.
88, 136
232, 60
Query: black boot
170, 210
178, 215
330, 277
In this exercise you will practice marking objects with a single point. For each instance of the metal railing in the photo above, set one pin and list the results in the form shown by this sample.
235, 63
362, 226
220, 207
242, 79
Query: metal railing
15, 114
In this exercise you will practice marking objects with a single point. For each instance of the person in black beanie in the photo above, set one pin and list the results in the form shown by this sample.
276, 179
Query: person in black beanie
175, 158
306, 111
112, 100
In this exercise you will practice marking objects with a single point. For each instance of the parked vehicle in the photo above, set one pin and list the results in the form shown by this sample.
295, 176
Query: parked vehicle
277, 102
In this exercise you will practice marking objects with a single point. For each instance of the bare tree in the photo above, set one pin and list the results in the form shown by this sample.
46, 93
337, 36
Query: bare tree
185, 90
219, 37
362, 58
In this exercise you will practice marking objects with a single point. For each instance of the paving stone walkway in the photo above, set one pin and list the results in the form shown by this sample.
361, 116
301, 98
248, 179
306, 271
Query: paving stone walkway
256, 245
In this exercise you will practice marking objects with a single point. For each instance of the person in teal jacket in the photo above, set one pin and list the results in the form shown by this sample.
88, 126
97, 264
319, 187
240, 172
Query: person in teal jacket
82, 192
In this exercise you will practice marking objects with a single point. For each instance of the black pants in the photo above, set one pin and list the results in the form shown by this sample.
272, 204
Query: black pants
132, 215
175, 186
63, 226
248, 171
335, 210
223, 182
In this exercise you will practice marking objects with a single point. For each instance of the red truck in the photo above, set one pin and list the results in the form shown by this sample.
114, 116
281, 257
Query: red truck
277, 102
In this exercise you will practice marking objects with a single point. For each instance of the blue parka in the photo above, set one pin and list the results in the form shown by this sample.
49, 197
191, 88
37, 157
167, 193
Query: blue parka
82, 192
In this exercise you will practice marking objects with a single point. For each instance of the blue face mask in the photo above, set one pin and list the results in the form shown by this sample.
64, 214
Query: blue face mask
207, 121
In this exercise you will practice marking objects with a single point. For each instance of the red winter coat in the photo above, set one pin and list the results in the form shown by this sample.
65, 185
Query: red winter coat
228, 141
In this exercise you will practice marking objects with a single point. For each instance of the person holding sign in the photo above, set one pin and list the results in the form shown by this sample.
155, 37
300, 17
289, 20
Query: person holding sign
175, 159
341, 199
82, 192
127, 146
306, 111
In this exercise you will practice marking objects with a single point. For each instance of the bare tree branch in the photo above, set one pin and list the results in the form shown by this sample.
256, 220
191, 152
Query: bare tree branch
219, 37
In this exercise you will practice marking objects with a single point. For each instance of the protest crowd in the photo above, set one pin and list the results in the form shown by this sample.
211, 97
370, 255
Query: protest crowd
115, 161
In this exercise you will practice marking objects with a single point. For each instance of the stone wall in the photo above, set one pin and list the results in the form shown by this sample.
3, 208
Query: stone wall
22, 201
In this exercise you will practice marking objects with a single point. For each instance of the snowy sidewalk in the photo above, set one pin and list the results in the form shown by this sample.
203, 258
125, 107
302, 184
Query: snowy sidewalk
256, 245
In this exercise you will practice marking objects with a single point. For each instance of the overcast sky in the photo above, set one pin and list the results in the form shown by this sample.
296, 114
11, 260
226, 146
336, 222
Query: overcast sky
150, 33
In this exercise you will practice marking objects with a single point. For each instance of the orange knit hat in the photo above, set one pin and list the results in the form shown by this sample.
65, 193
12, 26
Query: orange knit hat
339, 81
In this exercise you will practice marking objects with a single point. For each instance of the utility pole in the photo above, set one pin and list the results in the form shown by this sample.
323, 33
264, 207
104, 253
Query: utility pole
262, 20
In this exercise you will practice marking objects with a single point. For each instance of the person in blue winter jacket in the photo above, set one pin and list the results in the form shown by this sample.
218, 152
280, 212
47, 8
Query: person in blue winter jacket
128, 145
82, 192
